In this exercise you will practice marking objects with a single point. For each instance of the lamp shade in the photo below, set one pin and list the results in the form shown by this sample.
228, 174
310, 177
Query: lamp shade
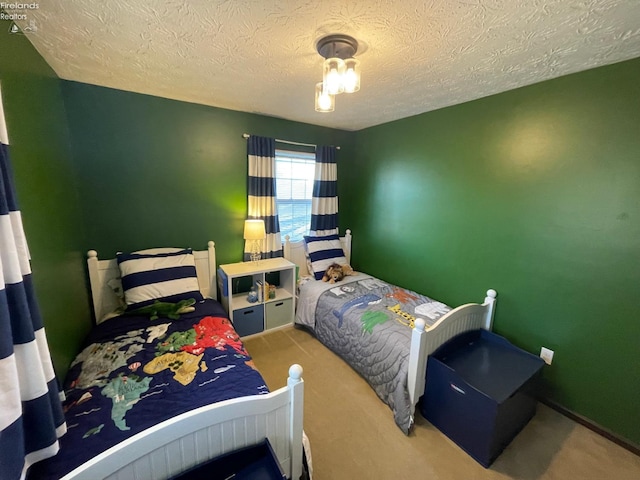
351, 77
332, 73
324, 101
254, 229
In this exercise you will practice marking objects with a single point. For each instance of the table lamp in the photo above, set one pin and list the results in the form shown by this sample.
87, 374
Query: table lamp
254, 232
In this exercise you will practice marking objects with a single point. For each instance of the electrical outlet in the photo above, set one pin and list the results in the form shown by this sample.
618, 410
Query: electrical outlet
546, 355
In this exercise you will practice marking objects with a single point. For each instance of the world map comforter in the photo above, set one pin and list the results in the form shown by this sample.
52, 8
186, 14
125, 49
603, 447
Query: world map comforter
135, 373
368, 322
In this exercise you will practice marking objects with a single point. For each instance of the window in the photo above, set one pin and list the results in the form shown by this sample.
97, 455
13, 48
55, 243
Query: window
294, 188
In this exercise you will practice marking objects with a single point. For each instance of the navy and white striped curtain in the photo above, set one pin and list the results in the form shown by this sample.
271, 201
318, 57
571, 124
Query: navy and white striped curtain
324, 203
31, 417
261, 154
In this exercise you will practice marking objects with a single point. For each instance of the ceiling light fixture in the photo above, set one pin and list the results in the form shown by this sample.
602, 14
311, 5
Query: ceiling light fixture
340, 71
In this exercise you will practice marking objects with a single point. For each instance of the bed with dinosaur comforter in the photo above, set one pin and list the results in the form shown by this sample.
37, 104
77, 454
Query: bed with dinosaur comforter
369, 323
135, 372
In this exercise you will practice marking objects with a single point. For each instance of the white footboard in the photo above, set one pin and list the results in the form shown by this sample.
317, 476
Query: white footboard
425, 341
192, 438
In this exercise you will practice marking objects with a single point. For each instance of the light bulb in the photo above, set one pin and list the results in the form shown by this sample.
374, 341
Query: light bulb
324, 101
332, 73
333, 81
351, 78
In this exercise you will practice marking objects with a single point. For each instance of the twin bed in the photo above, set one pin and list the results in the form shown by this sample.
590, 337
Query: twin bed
383, 331
153, 398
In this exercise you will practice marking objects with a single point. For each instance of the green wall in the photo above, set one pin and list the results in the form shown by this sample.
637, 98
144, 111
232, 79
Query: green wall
536, 193
158, 172
46, 188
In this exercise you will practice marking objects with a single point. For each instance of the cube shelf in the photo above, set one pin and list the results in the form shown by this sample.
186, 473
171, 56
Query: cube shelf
249, 318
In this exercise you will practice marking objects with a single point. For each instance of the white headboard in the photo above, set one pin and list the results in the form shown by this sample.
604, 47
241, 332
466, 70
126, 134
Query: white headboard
101, 272
295, 252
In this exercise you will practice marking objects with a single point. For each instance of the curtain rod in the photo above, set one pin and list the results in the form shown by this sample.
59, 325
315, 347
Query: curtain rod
289, 142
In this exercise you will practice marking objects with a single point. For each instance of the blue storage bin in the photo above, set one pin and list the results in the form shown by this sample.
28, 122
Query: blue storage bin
480, 392
250, 320
258, 462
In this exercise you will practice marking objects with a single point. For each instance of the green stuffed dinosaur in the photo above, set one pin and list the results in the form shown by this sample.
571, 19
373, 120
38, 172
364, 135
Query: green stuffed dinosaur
165, 309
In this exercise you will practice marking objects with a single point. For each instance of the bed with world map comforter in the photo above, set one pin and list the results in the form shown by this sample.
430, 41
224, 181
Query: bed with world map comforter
135, 372
369, 322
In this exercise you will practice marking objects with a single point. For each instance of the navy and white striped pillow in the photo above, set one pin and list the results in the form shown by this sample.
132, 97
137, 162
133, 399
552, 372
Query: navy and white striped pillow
167, 276
323, 251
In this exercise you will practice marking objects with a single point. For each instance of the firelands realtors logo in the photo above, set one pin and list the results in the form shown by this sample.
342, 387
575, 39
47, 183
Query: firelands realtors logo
18, 12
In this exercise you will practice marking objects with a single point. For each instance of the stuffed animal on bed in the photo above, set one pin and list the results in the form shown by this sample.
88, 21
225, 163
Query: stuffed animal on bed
165, 309
336, 272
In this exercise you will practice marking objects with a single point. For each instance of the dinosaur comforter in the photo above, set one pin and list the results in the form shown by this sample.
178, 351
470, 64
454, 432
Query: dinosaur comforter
368, 323
135, 372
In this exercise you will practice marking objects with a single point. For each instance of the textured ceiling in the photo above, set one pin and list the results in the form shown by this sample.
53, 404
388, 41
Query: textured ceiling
259, 56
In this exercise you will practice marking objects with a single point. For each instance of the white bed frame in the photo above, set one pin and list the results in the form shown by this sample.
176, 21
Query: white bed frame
424, 341
174, 446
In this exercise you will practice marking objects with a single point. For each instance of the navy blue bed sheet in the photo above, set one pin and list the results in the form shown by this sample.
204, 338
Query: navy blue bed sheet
134, 373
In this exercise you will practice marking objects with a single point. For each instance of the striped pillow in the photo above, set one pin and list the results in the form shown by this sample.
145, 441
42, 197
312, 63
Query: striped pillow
323, 251
169, 276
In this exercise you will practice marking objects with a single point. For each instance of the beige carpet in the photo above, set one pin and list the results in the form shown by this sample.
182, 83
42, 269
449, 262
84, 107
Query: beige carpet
353, 435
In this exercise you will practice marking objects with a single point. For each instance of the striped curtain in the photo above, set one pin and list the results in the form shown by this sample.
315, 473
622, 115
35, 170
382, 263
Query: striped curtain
31, 418
324, 203
261, 154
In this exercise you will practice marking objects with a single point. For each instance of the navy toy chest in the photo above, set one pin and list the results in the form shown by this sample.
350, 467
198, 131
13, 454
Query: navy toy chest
258, 462
479, 392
